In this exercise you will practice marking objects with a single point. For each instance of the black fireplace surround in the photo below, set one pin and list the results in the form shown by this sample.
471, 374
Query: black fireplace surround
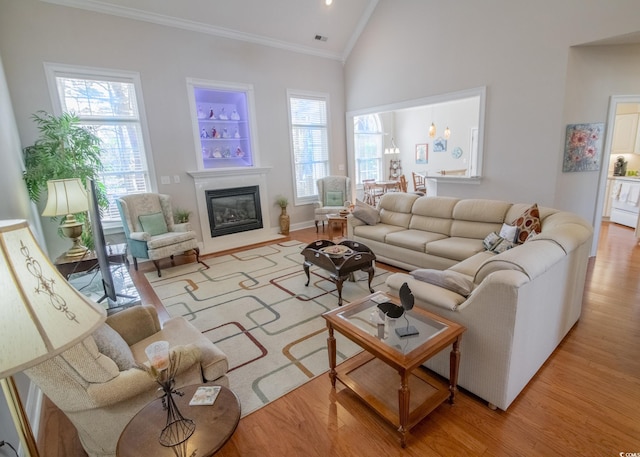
234, 210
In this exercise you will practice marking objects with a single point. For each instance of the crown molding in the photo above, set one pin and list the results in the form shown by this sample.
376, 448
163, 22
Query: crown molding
160, 19
362, 23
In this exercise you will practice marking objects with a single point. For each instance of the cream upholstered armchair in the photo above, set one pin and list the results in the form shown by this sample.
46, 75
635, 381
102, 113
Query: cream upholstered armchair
333, 197
147, 219
97, 383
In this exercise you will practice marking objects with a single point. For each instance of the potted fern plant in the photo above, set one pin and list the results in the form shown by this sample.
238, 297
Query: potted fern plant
65, 149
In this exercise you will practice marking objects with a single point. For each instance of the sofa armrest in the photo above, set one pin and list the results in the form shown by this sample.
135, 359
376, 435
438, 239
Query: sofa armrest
140, 236
135, 381
183, 227
136, 323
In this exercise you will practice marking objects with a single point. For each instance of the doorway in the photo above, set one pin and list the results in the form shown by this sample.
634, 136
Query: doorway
622, 139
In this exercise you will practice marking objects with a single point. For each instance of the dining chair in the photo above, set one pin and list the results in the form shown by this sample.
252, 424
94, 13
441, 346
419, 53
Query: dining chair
418, 183
371, 192
403, 183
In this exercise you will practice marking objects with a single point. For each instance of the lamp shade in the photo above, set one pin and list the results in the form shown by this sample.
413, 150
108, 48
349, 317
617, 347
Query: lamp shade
41, 314
66, 196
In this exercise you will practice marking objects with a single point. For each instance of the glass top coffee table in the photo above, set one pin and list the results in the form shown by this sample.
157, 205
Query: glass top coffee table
373, 374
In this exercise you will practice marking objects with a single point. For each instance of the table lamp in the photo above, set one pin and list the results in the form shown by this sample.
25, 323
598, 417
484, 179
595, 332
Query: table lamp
66, 198
41, 315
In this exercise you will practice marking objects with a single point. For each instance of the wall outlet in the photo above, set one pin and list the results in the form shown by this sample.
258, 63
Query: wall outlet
176, 179
341, 167
165, 179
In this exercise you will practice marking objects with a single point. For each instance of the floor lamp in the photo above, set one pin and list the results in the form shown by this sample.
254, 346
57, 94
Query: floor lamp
41, 315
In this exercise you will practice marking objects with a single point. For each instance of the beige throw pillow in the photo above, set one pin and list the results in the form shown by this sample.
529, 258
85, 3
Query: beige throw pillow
366, 213
447, 279
111, 344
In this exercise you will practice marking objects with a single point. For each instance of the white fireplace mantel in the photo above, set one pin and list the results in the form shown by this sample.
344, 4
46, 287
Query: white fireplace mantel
225, 178
221, 172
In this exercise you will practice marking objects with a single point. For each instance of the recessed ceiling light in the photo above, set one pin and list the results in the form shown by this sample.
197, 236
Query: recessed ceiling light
328, 2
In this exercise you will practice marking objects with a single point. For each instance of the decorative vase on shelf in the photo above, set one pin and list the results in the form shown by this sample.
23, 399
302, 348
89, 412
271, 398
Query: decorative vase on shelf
284, 221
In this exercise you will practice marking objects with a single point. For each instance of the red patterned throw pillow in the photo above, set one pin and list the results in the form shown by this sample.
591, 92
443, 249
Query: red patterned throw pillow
528, 224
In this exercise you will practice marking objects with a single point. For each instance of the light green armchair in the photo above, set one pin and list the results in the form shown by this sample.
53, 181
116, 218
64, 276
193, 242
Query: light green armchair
147, 219
334, 195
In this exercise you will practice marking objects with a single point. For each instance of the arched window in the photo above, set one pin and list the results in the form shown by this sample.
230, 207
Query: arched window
368, 147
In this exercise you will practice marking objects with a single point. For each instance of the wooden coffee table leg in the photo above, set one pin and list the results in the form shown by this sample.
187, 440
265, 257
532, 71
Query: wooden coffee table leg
404, 396
371, 271
306, 271
339, 287
454, 364
331, 346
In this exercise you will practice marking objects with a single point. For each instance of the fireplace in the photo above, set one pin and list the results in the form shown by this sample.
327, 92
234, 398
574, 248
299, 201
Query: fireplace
234, 210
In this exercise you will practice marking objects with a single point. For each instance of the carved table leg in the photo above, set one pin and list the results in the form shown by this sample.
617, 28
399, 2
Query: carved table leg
454, 364
404, 397
305, 265
331, 346
339, 281
371, 271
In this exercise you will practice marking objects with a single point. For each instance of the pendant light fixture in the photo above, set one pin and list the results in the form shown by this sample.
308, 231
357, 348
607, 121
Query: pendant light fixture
432, 131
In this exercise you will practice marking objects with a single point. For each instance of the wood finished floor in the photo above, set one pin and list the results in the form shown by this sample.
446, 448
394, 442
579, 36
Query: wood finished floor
584, 401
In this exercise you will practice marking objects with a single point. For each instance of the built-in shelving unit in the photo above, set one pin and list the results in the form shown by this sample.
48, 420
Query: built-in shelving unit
222, 116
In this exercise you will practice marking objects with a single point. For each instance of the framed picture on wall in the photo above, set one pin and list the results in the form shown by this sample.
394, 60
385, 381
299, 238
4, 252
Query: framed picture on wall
439, 145
583, 147
422, 153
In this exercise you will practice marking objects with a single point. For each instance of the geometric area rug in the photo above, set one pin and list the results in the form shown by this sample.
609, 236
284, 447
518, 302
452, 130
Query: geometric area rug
255, 307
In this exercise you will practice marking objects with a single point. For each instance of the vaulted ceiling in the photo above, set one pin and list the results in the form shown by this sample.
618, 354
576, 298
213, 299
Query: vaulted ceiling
287, 24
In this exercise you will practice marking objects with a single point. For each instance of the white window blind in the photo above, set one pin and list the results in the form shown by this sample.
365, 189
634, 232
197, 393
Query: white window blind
309, 141
109, 106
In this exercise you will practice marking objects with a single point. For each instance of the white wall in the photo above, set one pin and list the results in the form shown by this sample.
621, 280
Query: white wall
14, 205
519, 50
33, 32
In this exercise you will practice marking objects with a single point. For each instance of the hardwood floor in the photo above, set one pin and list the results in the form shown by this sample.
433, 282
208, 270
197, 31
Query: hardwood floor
584, 401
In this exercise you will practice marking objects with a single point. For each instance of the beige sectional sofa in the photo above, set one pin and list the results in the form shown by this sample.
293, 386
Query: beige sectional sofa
523, 301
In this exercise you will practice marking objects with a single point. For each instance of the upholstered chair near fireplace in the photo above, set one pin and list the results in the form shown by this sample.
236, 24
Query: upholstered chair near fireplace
333, 197
147, 219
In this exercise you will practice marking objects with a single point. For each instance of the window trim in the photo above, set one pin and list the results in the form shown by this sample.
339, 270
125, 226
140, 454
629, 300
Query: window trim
381, 134
54, 70
324, 96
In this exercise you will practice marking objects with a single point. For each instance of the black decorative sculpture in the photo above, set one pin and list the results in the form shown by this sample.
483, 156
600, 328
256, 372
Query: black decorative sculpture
394, 311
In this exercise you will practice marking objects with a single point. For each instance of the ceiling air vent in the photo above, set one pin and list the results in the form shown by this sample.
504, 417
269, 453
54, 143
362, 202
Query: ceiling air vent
321, 38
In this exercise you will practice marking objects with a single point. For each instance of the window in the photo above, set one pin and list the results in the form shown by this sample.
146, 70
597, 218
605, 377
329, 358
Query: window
309, 143
109, 104
367, 137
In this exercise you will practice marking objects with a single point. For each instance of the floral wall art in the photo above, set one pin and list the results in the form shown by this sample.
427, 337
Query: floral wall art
583, 147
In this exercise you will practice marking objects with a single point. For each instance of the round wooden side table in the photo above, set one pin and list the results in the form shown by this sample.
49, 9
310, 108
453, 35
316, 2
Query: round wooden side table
214, 426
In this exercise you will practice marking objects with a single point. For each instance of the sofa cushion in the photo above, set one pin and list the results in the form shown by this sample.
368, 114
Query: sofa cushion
471, 265
528, 224
153, 224
412, 239
377, 232
454, 248
447, 279
366, 213
111, 344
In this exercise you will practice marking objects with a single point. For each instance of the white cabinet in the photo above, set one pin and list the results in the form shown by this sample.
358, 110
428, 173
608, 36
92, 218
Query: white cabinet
223, 123
625, 134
